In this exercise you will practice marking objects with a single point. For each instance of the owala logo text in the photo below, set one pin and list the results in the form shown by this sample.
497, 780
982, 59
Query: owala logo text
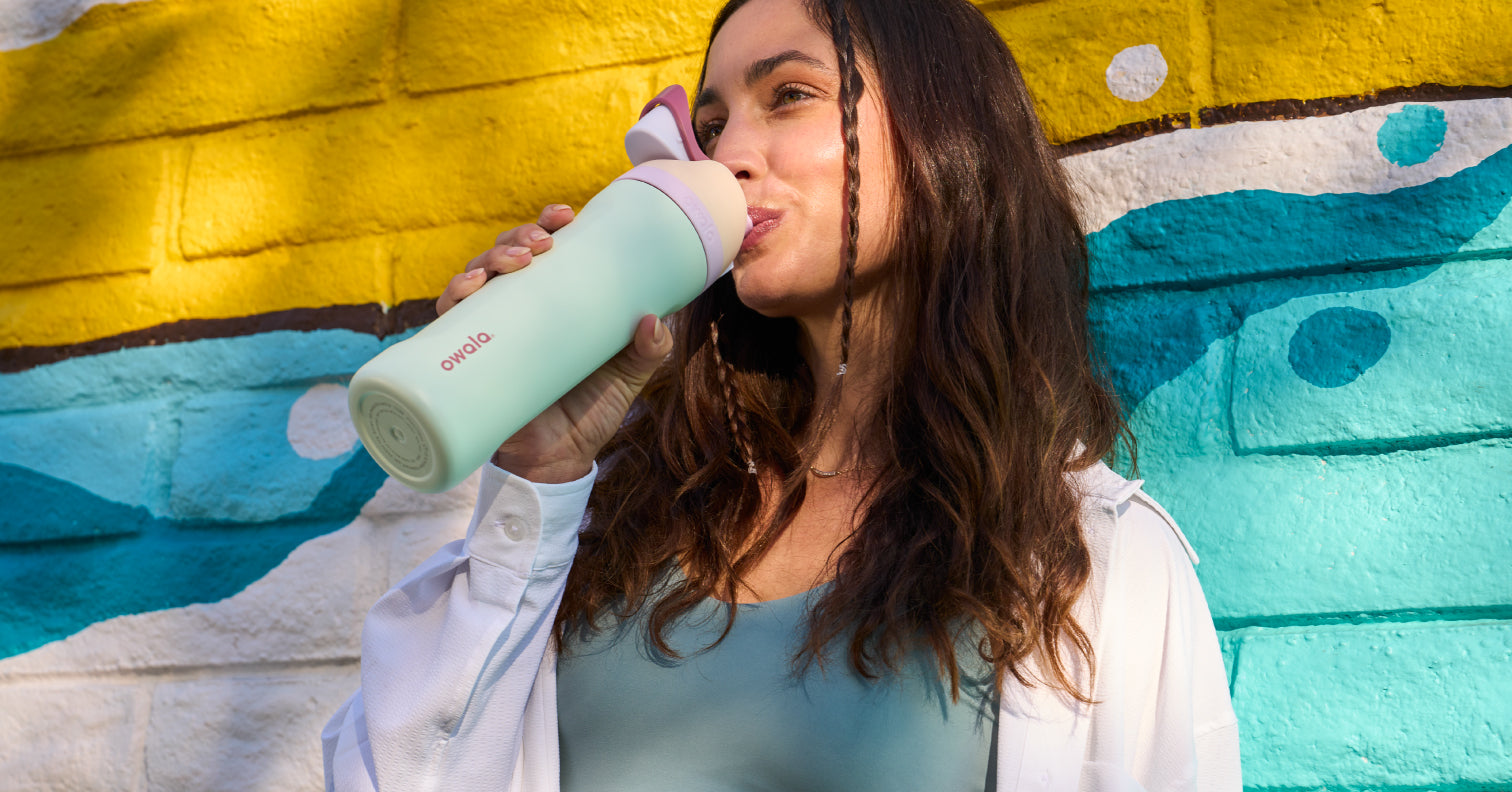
472, 345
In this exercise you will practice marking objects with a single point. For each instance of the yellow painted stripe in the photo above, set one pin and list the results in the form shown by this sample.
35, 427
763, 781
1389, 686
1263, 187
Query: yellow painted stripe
165, 162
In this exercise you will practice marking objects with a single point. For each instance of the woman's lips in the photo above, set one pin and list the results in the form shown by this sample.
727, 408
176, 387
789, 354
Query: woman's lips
763, 220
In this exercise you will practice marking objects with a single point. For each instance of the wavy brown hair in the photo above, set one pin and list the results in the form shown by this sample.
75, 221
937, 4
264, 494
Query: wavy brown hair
970, 527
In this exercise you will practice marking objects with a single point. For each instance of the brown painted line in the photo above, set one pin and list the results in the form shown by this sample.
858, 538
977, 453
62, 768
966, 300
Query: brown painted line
1281, 110
1117, 136
366, 318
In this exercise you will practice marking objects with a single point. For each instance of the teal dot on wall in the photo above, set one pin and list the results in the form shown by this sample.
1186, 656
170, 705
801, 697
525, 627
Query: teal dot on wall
1412, 135
1334, 346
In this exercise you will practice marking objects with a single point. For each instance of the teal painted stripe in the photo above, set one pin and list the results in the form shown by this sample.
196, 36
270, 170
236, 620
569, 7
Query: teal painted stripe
1253, 234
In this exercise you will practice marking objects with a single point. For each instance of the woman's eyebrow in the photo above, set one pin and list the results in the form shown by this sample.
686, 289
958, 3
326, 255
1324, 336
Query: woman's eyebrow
761, 68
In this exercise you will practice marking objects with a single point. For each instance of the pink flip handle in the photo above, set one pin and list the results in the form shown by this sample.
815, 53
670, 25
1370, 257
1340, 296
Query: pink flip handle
675, 99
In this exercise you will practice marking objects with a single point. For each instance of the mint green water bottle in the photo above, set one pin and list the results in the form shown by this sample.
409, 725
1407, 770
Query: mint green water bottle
433, 408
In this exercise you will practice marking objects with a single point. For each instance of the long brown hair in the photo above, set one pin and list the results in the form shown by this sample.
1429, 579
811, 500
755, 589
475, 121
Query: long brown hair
970, 527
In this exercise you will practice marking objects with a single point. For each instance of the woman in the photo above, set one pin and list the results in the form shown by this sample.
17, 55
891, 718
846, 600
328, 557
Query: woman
854, 534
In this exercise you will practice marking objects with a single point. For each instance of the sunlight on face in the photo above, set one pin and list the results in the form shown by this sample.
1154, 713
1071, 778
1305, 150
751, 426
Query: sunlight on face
769, 111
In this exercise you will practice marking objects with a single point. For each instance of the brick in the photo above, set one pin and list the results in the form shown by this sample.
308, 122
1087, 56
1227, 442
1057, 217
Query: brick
448, 44
82, 213
346, 272
264, 479
681, 70
1280, 49
424, 261
1420, 706
150, 68
106, 449
439, 160
1283, 536
1064, 49
236, 733
75, 738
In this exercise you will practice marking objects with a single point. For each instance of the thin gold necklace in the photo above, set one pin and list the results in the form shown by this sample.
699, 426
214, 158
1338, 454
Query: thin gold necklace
834, 473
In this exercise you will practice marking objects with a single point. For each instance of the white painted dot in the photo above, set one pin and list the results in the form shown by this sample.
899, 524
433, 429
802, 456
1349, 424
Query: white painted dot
1137, 73
320, 426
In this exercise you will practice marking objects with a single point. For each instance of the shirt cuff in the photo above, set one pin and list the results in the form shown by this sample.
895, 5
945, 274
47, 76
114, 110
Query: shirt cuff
524, 526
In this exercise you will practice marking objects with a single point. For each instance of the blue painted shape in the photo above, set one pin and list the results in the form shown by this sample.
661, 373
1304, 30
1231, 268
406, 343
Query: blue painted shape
1247, 234
50, 590
234, 461
36, 508
1412, 135
1334, 346
1405, 522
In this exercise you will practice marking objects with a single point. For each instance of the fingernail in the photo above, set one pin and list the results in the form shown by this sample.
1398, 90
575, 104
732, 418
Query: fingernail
475, 273
661, 332
558, 207
538, 235
516, 251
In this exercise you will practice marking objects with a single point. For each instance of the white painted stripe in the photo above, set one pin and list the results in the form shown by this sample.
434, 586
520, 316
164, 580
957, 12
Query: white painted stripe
1306, 156
27, 22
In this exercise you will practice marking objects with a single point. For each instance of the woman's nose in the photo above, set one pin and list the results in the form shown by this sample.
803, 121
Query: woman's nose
739, 149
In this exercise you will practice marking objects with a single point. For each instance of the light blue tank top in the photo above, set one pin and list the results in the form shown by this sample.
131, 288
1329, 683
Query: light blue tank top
737, 718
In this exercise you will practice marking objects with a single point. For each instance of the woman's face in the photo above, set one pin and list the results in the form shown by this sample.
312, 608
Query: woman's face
770, 111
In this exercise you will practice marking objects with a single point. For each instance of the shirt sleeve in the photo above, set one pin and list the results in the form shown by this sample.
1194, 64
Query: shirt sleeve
1164, 720
451, 655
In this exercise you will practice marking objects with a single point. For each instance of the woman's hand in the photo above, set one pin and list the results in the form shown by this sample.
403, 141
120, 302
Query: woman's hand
561, 443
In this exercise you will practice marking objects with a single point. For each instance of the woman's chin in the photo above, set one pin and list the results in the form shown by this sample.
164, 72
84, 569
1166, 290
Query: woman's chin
772, 302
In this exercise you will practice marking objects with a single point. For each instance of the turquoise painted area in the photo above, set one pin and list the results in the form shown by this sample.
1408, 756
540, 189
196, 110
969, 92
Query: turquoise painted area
1334, 346
162, 476
1322, 392
204, 366
1386, 493
1412, 135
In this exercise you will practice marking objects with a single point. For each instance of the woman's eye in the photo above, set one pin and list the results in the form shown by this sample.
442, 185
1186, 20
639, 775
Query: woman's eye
788, 94
707, 131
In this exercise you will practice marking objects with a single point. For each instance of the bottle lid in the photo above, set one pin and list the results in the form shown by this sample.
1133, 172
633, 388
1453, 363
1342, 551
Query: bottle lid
711, 198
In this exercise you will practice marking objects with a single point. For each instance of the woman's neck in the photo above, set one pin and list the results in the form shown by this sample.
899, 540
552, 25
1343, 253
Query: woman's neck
860, 388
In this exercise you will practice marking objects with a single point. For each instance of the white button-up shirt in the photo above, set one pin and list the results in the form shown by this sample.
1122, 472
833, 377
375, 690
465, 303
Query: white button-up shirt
459, 680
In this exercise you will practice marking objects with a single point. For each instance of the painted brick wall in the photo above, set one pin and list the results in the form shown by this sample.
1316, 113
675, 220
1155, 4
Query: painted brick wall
1301, 222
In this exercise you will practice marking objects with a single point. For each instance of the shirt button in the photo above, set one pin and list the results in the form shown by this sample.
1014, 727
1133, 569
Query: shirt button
1044, 779
512, 529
